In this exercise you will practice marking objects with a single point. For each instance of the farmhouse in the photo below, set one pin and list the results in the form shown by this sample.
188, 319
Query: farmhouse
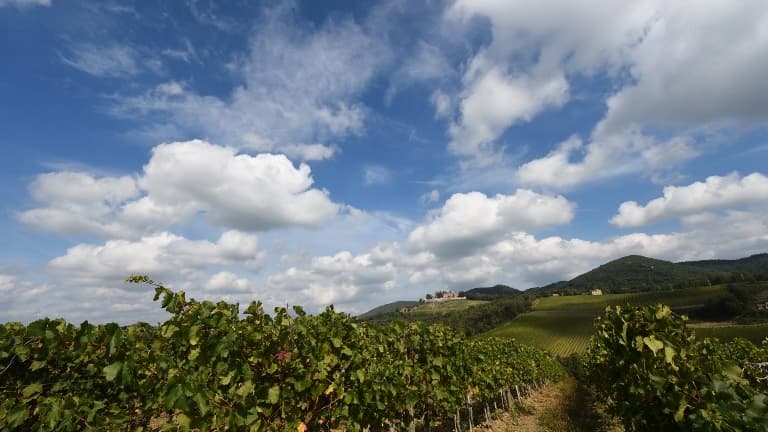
444, 296
597, 291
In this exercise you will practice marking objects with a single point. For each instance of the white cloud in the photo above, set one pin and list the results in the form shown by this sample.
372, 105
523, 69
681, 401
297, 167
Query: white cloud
376, 175
164, 256
340, 278
299, 86
236, 190
573, 163
470, 221
516, 258
25, 3
715, 192
658, 56
106, 61
443, 104
496, 100
432, 196
19, 299
78, 203
253, 193
227, 282
696, 65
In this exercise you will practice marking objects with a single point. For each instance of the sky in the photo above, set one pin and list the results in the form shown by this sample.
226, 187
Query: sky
356, 153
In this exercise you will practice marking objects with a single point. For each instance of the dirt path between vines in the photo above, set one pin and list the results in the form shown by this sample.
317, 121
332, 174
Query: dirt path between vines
559, 407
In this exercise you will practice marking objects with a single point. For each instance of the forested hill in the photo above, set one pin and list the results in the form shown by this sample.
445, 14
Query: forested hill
490, 293
755, 265
388, 308
639, 273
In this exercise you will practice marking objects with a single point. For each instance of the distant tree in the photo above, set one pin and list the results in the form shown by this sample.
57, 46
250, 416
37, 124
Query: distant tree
429, 297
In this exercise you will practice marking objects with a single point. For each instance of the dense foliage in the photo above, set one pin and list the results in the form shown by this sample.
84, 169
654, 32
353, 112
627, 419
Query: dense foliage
638, 273
469, 321
210, 368
490, 293
655, 375
738, 303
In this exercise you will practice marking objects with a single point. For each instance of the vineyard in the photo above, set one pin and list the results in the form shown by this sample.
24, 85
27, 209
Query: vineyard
654, 374
564, 325
210, 368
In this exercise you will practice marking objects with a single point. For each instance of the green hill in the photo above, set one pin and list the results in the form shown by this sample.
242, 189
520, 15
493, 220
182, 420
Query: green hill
755, 265
388, 308
634, 273
490, 293
563, 325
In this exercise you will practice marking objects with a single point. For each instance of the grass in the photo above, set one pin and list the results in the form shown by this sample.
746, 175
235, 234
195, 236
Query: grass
432, 308
754, 332
563, 325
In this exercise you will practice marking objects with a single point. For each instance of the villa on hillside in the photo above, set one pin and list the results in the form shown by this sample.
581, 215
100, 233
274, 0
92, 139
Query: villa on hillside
597, 291
440, 296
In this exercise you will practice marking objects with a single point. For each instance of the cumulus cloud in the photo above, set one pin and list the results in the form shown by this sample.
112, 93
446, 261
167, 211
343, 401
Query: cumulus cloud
657, 56
494, 101
389, 272
247, 192
339, 278
181, 180
226, 281
573, 162
299, 89
165, 256
78, 203
472, 220
19, 298
675, 80
716, 192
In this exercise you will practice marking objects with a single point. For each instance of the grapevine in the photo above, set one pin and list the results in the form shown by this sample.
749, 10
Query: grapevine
211, 368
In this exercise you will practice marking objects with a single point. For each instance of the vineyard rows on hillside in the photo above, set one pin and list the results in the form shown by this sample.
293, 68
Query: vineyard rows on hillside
210, 368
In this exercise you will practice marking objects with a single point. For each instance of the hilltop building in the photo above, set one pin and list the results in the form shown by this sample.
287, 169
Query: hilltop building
439, 296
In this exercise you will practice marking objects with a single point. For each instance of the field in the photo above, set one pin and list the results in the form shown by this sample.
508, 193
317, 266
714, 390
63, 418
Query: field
563, 325
754, 332
433, 308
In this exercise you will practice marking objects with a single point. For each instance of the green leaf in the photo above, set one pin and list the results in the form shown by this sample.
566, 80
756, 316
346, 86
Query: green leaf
111, 371
680, 410
669, 354
193, 337
273, 395
32, 389
183, 421
37, 364
246, 388
653, 344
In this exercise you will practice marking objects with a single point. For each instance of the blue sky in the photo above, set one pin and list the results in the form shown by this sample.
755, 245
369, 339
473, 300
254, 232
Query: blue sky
357, 153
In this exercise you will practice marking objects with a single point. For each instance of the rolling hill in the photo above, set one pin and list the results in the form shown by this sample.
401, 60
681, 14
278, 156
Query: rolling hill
388, 308
638, 273
490, 293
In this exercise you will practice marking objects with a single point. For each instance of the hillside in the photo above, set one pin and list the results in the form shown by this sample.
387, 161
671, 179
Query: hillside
563, 325
631, 274
490, 293
388, 308
756, 265
470, 317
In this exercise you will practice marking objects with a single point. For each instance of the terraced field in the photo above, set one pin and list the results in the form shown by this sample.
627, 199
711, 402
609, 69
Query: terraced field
756, 333
563, 325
